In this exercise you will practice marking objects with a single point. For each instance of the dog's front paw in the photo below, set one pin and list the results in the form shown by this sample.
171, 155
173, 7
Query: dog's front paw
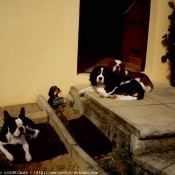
113, 96
10, 157
81, 92
35, 134
28, 157
101, 95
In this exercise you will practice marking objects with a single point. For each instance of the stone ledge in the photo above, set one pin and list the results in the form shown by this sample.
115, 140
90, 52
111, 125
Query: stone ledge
38, 117
138, 147
85, 162
149, 118
157, 163
149, 122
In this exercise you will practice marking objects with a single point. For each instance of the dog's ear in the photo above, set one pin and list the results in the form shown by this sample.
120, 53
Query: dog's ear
22, 112
107, 71
93, 76
51, 91
50, 94
6, 116
111, 65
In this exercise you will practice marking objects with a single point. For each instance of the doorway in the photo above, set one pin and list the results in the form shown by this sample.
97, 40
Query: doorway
102, 26
134, 46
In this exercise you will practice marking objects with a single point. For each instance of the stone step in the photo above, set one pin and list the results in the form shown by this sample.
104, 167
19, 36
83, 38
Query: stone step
142, 126
145, 128
80, 157
157, 163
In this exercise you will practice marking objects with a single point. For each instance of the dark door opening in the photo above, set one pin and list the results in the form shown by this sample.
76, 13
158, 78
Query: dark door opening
135, 35
101, 30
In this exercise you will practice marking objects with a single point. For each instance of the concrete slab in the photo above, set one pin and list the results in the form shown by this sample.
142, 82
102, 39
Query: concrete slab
112, 103
148, 118
150, 124
147, 146
164, 97
171, 105
117, 134
160, 86
169, 170
162, 93
157, 163
85, 162
38, 117
147, 121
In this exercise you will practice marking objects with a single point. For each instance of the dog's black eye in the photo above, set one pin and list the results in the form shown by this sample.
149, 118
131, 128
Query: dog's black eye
103, 73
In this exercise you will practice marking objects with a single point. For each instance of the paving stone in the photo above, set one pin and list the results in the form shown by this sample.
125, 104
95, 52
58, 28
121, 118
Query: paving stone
169, 170
146, 146
166, 96
158, 120
38, 117
147, 121
171, 105
112, 103
157, 163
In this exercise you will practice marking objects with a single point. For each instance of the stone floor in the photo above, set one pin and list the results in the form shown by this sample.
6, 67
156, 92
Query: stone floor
150, 124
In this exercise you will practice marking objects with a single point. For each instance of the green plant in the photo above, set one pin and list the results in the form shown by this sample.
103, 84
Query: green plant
71, 104
169, 42
118, 163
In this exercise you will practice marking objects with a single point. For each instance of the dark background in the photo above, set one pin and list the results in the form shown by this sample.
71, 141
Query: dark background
101, 27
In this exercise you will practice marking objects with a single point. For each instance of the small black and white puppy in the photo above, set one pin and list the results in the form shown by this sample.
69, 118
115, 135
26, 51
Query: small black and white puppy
13, 132
111, 85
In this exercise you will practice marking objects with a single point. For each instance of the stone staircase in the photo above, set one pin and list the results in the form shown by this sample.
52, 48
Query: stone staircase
145, 128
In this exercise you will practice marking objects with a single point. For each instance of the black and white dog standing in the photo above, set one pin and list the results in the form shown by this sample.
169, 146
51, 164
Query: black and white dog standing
13, 132
111, 85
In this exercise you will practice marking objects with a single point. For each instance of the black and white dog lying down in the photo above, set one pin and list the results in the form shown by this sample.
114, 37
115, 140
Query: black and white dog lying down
13, 132
111, 85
